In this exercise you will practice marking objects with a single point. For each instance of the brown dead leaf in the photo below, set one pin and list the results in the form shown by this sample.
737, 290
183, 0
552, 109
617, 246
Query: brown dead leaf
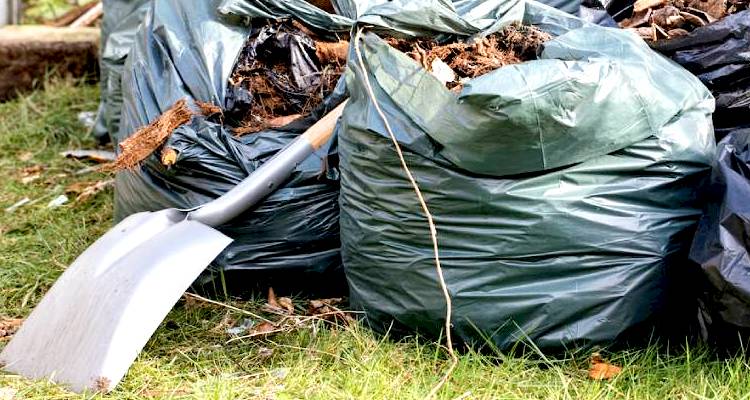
32, 170
9, 326
601, 370
327, 309
641, 5
86, 190
272, 298
638, 19
274, 305
322, 306
264, 328
715, 8
287, 304
25, 156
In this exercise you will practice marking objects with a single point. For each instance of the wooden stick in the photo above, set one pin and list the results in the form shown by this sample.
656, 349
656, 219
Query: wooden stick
89, 16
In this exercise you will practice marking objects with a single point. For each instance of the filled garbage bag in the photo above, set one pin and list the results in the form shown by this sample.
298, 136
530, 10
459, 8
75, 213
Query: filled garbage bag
119, 23
187, 50
722, 244
719, 55
565, 190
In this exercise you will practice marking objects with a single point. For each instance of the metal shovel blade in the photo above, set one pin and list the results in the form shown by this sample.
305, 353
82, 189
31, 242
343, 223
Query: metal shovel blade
90, 326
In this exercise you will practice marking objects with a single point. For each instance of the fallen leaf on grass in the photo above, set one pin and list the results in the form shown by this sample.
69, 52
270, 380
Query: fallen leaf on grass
86, 190
601, 370
25, 156
327, 310
262, 329
272, 298
286, 304
32, 170
281, 304
9, 326
30, 174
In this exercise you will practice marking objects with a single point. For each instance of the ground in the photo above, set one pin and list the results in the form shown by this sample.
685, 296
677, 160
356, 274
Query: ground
189, 356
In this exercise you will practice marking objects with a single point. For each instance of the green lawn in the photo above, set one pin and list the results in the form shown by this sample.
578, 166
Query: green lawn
189, 356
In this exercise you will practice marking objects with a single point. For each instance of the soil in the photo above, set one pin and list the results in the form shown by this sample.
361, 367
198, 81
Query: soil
656, 20
276, 94
514, 44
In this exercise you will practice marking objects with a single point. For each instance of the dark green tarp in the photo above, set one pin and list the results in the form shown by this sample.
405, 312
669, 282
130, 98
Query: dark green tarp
565, 190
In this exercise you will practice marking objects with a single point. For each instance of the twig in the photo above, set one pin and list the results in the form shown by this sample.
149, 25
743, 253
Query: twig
218, 303
430, 222
295, 321
88, 17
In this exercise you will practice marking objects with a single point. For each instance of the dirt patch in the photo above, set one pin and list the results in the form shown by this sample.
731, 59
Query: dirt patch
655, 20
282, 72
514, 44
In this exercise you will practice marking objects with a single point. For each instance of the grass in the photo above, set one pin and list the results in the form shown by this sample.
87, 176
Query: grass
189, 356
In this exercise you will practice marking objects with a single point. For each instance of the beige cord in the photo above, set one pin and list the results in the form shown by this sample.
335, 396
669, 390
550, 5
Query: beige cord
430, 222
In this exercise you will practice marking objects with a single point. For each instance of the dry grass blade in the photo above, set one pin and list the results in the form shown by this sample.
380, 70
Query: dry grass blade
220, 304
146, 140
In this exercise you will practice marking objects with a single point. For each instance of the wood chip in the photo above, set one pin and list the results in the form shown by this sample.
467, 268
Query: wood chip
147, 139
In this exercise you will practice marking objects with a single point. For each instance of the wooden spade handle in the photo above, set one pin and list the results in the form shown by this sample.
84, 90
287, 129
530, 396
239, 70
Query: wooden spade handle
321, 131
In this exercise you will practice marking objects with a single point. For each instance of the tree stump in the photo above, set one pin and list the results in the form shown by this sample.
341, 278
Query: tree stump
30, 55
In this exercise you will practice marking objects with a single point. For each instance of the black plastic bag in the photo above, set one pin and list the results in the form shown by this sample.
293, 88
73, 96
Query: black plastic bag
186, 49
722, 244
719, 55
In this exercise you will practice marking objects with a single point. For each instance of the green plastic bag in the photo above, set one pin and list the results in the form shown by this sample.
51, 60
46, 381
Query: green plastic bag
565, 190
